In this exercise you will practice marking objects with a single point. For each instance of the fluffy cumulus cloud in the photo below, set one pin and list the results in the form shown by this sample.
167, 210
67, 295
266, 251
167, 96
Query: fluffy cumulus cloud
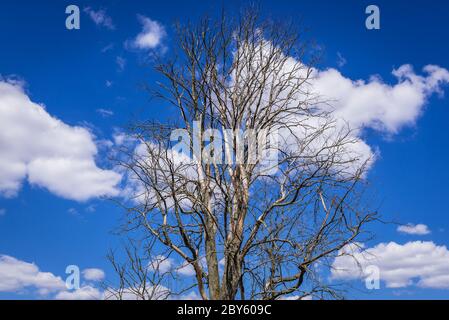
84, 293
161, 264
46, 152
420, 263
151, 35
17, 276
356, 105
182, 164
376, 104
186, 269
93, 274
100, 18
155, 292
418, 229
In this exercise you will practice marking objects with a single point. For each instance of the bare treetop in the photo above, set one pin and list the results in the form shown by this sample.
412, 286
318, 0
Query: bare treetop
257, 185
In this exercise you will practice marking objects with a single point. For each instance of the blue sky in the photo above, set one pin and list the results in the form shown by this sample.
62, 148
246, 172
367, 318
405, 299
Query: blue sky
78, 73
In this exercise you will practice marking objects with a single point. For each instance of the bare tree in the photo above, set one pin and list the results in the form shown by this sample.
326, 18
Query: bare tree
249, 228
142, 276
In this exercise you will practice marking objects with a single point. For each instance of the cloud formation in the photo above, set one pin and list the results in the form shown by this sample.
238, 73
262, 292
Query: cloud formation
419, 229
17, 275
356, 105
105, 112
186, 269
84, 293
93, 274
163, 264
377, 105
151, 35
341, 61
420, 263
47, 152
100, 18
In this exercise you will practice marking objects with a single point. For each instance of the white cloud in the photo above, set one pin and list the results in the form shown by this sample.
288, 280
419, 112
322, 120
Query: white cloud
436, 282
184, 166
93, 274
378, 105
353, 104
421, 263
419, 229
374, 104
160, 263
17, 275
186, 269
83, 293
192, 295
156, 292
120, 138
163, 264
2, 212
47, 152
151, 36
100, 18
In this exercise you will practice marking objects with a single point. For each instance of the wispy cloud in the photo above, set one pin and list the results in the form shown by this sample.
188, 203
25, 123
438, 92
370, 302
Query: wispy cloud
100, 18
91, 208
121, 63
72, 211
107, 48
105, 112
341, 61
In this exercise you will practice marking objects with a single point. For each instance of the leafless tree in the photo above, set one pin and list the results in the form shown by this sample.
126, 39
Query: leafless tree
248, 229
142, 276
